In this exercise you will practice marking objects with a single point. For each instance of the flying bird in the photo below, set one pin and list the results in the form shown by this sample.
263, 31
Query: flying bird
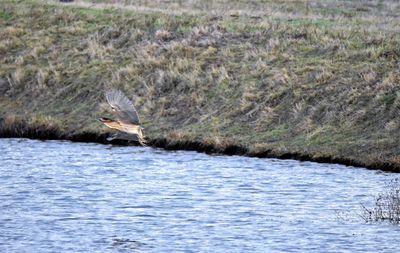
128, 122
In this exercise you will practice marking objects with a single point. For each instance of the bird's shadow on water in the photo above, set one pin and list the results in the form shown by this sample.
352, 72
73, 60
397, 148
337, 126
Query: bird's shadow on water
122, 244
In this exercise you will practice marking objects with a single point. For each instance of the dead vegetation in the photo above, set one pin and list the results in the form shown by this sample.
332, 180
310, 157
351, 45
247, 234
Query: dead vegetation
386, 207
316, 78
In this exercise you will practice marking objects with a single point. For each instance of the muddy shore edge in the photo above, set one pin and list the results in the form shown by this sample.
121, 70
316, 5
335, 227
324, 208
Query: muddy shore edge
22, 129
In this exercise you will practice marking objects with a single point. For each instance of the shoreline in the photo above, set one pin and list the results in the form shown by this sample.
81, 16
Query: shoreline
21, 129
288, 86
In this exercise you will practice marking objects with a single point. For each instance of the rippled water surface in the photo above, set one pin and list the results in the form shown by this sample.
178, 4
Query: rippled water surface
79, 197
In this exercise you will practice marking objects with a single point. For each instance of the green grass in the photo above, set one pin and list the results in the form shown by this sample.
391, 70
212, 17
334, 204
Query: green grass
6, 16
312, 77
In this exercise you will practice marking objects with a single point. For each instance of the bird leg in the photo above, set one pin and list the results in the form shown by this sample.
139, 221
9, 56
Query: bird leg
142, 142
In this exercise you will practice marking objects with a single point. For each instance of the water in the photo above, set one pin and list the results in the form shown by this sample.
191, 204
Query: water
81, 197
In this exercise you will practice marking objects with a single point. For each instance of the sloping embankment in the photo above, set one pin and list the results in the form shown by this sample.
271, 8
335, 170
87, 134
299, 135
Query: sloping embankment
317, 84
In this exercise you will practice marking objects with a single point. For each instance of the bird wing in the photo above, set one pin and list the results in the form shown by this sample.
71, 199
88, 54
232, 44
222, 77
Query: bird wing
124, 136
123, 107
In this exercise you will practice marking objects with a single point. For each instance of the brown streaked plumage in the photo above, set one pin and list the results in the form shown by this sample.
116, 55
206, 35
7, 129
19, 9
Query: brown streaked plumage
128, 122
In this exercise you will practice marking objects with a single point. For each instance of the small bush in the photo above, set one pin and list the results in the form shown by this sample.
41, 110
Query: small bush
387, 205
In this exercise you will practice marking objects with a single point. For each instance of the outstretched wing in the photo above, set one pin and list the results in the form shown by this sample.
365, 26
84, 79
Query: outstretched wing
123, 107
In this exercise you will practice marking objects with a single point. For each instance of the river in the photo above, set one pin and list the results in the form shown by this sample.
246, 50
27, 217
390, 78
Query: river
60, 196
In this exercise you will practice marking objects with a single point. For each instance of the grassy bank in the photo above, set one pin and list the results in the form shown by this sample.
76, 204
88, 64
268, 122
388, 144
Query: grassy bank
300, 79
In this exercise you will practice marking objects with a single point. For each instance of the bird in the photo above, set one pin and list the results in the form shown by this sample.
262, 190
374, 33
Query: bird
128, 122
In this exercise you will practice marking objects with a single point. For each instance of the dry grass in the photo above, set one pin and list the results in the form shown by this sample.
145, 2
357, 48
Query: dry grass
255, 8
312, 77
